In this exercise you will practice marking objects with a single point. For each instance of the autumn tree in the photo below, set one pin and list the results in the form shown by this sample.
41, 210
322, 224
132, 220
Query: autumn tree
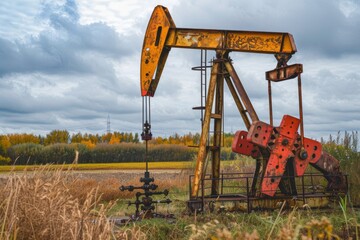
106, 137
57, 136
114, 139
77, 138
4, 144
136, 138
88, 143
19, 138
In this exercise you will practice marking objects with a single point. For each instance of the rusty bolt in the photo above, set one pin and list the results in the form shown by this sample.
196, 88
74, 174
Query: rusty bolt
285, 142
303, 154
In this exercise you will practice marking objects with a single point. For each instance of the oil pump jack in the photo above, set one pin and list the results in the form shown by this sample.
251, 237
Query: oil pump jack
281, 153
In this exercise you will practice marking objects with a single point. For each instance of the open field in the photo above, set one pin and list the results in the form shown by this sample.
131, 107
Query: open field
103, 166
57, 204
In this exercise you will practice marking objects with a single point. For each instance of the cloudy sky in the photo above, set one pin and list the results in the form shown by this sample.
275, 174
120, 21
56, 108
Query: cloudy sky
69, 64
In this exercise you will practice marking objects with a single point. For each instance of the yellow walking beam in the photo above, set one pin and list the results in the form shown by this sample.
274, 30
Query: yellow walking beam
161, 35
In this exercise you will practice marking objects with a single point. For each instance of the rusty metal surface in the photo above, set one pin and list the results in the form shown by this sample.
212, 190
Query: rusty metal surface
312, 192
219, 102
260, 133
313, 151
238, 103
240, 41
283, 143
161, 35
280, 153
202, 153
242, 146
273, 147
330, 167
153, 48
241, 91
284, 73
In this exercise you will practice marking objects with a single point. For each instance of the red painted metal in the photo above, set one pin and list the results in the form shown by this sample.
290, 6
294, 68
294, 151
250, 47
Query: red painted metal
282, 143
313, 151
241, 145
260, 133
282, 150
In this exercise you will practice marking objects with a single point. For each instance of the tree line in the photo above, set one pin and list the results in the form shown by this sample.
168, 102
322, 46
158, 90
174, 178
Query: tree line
59, 146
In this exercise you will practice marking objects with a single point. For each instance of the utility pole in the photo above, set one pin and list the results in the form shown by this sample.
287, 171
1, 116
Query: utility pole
108, 124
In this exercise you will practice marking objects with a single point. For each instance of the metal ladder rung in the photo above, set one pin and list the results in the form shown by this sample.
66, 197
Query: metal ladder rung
216, 116
199, 108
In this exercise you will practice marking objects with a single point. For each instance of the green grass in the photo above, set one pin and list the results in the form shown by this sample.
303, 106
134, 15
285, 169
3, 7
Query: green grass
276, 224
116, 166
104, 166
340, 221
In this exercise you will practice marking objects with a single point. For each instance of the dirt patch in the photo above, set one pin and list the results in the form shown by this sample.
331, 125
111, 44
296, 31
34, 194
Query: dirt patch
125, 176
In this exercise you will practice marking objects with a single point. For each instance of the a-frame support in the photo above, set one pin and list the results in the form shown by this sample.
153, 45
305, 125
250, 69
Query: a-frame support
222, 70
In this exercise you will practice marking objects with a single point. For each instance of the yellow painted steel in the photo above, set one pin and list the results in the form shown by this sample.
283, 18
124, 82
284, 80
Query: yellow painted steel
153, 52
161, 35
203, 151
240, 41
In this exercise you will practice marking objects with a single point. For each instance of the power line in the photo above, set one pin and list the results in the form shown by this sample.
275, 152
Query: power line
108, 130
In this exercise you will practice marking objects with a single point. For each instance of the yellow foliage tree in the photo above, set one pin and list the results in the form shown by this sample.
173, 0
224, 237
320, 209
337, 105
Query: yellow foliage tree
88, 143
114, 139
4, 144
19, 138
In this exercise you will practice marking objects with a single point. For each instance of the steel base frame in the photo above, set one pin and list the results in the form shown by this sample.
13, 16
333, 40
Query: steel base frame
311, 191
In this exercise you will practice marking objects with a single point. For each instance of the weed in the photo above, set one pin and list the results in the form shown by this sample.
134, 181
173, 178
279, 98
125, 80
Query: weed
38, 205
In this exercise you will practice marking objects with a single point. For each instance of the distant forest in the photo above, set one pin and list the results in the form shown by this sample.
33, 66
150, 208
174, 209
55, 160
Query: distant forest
60, 147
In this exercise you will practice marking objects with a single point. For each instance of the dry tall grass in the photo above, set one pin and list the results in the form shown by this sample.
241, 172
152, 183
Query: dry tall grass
40, 205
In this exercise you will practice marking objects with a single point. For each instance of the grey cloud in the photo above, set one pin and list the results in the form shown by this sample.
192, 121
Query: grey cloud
66, 47
72, 75
319, 27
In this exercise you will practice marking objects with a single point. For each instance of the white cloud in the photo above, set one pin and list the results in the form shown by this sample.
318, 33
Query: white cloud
68, 64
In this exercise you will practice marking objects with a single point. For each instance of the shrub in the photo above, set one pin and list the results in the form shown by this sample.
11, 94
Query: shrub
123, 152
345, 150
4, 160
30, 153
58, 153
25, 153
166, 152
84, 154
39, 205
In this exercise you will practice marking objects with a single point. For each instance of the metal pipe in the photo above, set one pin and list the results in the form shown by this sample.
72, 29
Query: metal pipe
270, 104
222, 183
247, 195
238, 103
301, 111
205, 131
303, 188
241, 90
202, 195
219, 100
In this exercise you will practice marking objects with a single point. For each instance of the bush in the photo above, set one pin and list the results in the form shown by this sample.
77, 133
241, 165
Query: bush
39, 205
168, 153
4, 160
344, 149
132, 152
58, 153
123, 152
84, 154
31, 153
25, 153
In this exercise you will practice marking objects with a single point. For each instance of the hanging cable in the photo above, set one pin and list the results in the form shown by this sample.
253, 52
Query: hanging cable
146, 119
146, 134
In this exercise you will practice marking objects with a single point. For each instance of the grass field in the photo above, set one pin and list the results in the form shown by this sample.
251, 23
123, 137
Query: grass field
103, 166
51, 203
